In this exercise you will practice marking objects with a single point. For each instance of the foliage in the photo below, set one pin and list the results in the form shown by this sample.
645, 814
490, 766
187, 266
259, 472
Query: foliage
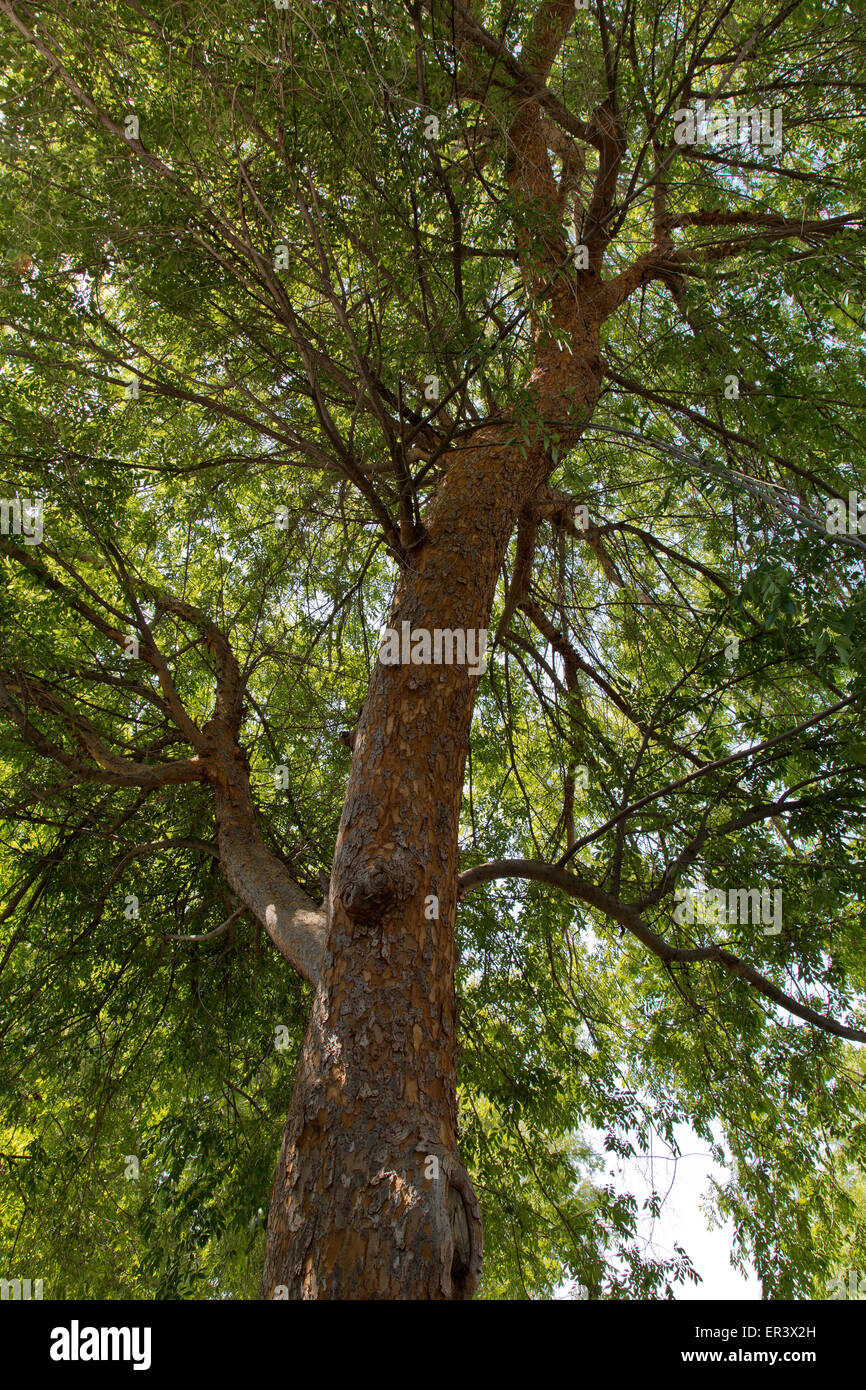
257, 476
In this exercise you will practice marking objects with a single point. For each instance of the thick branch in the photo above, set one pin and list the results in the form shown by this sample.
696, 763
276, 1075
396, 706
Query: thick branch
467, 27
660, 263
260, 880
671, 955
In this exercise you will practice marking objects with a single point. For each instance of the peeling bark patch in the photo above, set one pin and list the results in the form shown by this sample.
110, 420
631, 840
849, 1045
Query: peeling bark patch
385, 1003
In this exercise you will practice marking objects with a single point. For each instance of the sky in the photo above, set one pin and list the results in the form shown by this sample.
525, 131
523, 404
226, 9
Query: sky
682, 1219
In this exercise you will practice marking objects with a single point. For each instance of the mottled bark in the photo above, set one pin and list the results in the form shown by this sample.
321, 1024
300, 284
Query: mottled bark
371, 1199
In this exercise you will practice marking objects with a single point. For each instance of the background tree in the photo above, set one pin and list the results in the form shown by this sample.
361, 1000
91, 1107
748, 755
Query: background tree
318, 317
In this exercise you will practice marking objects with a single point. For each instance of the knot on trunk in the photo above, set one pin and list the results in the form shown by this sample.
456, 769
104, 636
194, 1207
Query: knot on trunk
466, 1241
370, 892
461, 1257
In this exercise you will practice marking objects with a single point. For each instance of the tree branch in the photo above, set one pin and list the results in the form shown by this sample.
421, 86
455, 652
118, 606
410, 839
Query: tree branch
619, 912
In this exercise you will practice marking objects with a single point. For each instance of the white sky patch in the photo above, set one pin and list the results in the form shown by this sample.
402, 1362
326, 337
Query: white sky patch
686, 1181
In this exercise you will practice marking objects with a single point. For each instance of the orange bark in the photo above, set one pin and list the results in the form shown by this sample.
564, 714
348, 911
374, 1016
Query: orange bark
371, 1199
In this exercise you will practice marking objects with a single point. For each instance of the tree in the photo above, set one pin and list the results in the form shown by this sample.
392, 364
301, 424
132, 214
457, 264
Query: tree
540, 324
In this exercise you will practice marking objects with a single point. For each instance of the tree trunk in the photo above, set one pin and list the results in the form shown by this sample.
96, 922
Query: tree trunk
370, 1198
